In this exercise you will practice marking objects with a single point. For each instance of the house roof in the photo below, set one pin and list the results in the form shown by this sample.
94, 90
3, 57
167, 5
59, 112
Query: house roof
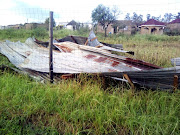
72, 23
175, 21
153, 22
127, 22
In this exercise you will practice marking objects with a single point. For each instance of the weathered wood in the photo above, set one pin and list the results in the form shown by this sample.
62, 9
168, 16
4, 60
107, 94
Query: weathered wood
129, 80
68, 76
86, 42
175, 83
93, 38
50, 46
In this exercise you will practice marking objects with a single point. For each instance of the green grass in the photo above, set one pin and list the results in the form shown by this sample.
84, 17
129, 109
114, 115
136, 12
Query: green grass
82, 106
74, 108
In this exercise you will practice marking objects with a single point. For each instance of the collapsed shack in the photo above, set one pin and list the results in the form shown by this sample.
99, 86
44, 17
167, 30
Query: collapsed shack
74, 55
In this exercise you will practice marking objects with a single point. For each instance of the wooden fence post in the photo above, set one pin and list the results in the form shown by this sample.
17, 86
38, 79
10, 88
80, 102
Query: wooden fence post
175, 83
50, 46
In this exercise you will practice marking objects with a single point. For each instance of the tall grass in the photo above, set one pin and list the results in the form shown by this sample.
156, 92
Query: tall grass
23, 34
156, 49
82, 106
74, 108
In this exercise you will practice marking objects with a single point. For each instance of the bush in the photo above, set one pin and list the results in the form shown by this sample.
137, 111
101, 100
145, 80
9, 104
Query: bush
172, 32
23, 33
39, 32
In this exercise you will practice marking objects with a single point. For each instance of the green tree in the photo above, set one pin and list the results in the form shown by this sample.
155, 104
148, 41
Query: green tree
47, 22
127, 17
148, 16
178, 16
157, 18
104, 16
137, 19
168, 17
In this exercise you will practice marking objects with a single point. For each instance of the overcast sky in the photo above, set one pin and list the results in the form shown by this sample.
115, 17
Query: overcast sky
22, 11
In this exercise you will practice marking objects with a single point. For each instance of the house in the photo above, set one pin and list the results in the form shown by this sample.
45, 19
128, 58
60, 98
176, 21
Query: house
30, 26
72, 25
87, 25
152, 27
124, 26
2, 27
15, 26
119, 26
61, 25
174, 25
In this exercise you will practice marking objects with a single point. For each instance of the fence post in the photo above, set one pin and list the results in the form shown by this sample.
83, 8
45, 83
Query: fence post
50, 46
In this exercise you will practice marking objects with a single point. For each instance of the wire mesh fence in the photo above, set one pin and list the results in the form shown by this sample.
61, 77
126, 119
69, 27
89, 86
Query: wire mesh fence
77, 49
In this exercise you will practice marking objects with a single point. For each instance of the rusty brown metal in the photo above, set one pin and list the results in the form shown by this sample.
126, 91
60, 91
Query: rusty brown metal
175, 83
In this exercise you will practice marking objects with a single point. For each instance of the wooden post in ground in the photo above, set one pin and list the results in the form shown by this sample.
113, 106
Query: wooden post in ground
130, 82
175, 83
50, 46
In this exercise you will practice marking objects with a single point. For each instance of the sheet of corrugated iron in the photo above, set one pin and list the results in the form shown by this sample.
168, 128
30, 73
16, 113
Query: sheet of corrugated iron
175, 61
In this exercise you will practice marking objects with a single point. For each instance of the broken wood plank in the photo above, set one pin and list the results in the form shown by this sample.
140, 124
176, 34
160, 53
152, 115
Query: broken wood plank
130, 81
175, 83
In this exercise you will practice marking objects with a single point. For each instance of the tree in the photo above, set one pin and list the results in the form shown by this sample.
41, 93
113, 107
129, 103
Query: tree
47, 22
178, 16
127, 17
148, 16
104, 16
137, 19
157, 18
167, 17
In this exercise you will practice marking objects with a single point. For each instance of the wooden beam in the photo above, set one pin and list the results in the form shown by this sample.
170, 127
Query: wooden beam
129, 80
69, 76
50, 46
175, 83
86, 42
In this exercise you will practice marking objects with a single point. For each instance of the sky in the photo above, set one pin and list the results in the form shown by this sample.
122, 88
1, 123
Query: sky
27, 11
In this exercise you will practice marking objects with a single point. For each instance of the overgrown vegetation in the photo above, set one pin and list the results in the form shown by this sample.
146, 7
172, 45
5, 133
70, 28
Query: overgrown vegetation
82, 106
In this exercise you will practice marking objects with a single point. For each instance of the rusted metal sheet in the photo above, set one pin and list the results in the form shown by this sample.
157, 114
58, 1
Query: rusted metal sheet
69, 58
158, 79
90, 41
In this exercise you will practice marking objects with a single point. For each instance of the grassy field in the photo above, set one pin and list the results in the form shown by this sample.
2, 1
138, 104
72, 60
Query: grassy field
82, 106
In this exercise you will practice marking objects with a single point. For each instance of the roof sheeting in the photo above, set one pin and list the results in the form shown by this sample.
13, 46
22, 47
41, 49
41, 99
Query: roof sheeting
175, 21
162, 79
175, 61
152, 22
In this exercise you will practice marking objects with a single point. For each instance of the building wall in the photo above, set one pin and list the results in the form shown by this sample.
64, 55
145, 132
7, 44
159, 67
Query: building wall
152, 30
69, 27
31, 26
109, 29
126, 30
174, 26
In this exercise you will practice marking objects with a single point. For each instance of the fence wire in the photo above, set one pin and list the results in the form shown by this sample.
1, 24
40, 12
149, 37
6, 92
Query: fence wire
76, 49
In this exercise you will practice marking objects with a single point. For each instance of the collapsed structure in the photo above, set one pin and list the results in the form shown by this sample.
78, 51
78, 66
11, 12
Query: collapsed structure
74, 55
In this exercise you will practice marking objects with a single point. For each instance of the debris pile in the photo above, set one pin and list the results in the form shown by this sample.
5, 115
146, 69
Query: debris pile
74, 55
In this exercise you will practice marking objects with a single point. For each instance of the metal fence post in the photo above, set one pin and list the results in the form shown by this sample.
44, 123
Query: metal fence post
50, 46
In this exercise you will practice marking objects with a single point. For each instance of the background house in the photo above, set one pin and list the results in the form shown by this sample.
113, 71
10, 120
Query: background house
173, 28
15, 26
152, 27
2, 27
72, 25
119, 26
174, 25
30, 26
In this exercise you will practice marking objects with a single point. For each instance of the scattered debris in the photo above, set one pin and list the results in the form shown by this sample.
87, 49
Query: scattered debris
73, 55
